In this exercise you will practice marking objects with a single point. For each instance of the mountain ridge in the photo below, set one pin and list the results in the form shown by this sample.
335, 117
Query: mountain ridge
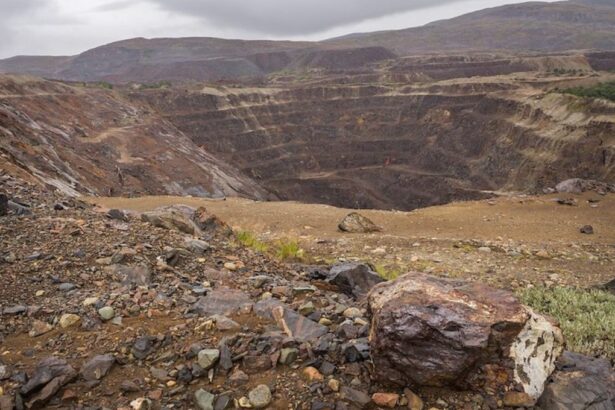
536, 27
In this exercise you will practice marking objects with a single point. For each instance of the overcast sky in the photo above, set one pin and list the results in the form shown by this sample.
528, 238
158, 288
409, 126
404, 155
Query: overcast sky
67, 27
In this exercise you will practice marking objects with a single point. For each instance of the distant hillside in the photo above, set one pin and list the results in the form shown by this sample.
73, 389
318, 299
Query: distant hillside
201, 59
533, 26
526, 27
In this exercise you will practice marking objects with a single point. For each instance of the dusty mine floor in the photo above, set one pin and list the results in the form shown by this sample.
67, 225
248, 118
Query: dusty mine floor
531, 240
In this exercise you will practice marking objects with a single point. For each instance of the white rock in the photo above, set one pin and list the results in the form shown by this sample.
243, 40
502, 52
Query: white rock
535, 352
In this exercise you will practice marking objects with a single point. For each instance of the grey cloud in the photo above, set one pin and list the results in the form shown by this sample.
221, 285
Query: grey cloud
291, 17
115, 5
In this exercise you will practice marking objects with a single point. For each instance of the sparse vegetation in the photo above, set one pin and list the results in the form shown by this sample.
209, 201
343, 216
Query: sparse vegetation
104, 84
249, 240
603, 90
587, 317
387, 273
157, 85
289, 250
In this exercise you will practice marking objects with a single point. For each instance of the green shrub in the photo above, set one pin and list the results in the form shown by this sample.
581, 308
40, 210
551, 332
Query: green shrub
603, 90
587, 317
249, 240
289, 250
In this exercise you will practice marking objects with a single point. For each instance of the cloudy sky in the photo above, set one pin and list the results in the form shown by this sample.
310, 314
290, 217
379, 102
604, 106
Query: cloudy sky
66, 27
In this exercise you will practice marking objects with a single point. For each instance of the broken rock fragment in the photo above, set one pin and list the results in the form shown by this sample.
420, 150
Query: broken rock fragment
354, 279
48, 378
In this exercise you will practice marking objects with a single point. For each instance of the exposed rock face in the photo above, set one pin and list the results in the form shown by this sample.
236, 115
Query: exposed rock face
578, 185
86, 140
354, 279
354, 222
582, 383
429, 331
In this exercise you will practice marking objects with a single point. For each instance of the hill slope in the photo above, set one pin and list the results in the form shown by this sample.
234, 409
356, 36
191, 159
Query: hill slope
532, 26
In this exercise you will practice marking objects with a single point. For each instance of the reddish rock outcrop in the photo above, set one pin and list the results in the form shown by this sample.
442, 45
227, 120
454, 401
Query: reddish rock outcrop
429, 331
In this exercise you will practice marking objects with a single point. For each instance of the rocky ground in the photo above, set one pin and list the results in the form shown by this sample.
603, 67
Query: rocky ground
103, 309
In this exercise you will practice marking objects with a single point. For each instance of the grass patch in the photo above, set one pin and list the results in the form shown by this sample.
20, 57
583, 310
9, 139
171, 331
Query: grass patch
603, 90
387, 273
587, 317
289, 250
249, 240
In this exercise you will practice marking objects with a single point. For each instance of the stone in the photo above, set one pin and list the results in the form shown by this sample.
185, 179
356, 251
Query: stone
429, 331
175, 217
39, 328
255, 364
207, 358
352, 313
4, 204
6, 402
518, 399
15, 310
260, 397
223, 323
567, 201
356, 397
204, 399
297, 326
97, 367
117, 214
238, 378
223, 301
66, 287
141, 403
197, 246
578, 186
306, 309
143, 347
580, 382
354, 279
68, 320
139, 275
288, 355
289, 321
128, 386
49, 376
106, 313
334, 385
414, 401
312, 374
91, 301
209, 224
587, 230
357, 223
223, 402
385, 399
535, 352
19, 209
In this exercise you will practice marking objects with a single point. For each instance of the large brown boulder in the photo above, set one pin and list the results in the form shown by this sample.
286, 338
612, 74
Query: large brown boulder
429, 331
